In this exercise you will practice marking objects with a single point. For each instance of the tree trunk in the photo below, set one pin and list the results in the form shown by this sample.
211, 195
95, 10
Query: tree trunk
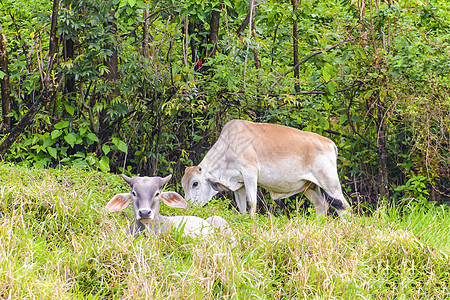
246, 21
146, 34
256, 60
383, 176
194, 53
69, 90
243, 25
5, 86
113, 61
68, 52
48, 92
214, 30
113, 70
252, 5
295, 37
53, 40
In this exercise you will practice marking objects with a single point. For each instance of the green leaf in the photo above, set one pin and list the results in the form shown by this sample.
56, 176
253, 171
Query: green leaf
48, 141
52, 152
103, 164
79, 154
120, 145
83, 130
361, 52
326, 74
131, 2
92, 137
106, 149
123, 3
71, 139
62, 124
91, 160
228, 3
328, 71
331, 87
129, 11
69, 109
56, 133
342, 119
142, 4
2, 74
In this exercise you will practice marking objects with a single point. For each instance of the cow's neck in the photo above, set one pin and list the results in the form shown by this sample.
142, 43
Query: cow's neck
214, 161
157, 226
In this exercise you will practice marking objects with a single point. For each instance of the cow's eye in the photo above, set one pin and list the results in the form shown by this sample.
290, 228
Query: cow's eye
157, 194
133, 193
195, 184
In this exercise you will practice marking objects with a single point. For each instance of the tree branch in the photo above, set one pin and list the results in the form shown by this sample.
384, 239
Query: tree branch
306, 59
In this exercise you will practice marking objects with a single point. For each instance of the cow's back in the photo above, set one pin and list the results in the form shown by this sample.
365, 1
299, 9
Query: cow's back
272, 141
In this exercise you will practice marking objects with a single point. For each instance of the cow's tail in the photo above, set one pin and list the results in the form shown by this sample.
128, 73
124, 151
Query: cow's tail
336, 203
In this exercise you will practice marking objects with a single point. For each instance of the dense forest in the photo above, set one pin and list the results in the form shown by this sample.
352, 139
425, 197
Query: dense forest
144, 87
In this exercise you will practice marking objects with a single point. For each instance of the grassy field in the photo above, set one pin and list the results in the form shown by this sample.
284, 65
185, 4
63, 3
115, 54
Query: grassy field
57, 242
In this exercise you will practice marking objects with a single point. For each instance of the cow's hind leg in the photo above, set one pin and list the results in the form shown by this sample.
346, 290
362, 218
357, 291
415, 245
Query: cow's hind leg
341, 205
314, 195
330, 190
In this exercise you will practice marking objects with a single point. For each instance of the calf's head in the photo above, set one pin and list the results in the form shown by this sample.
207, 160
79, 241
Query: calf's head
146, 195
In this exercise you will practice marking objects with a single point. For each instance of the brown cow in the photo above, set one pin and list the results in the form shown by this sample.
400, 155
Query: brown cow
283, 160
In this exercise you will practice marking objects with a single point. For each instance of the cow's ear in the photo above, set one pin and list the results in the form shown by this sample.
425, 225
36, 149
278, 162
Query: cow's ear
173, 199
119, 202
217, 186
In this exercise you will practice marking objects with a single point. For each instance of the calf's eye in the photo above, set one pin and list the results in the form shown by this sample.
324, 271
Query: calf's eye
195, 184
157, 194
133, 193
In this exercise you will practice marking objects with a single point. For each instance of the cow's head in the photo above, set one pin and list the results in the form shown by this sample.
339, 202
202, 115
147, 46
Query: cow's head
145, 194
197, 188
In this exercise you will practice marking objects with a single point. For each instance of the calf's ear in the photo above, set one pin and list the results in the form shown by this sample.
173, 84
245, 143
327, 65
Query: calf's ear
119, 202
173, 199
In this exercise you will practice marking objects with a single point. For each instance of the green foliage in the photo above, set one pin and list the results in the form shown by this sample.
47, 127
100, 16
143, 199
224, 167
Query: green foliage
416, 188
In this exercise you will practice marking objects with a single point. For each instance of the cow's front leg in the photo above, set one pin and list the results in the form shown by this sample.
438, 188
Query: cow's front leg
251, 188
240, 196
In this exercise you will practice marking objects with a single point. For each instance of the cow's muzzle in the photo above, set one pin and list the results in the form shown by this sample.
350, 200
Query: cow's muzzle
145, 216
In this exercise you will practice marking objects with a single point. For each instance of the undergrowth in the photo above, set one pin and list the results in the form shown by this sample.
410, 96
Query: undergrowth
57, 242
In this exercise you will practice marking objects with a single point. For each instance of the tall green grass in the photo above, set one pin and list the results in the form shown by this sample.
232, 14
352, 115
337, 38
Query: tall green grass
57, 242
